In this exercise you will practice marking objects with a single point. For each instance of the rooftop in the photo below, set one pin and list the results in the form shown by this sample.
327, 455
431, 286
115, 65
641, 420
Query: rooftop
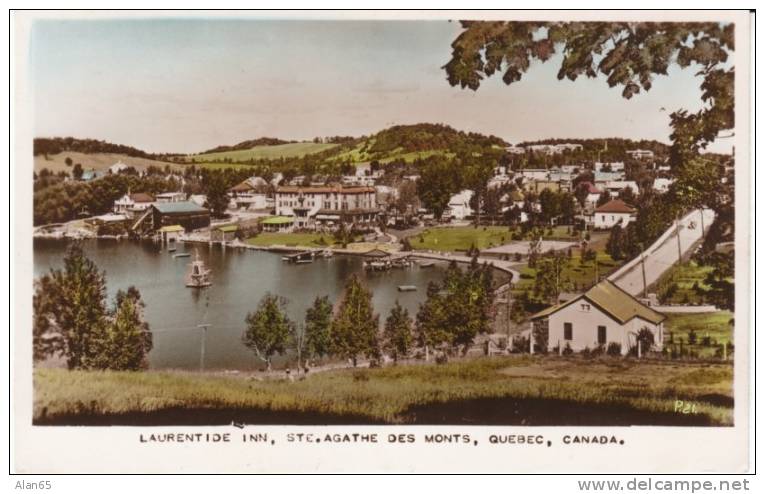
179, 207
614, 301
614, 206
171, 229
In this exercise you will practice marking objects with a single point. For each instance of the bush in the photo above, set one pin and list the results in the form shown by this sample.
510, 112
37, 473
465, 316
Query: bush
567, 349
614, 349
692, 337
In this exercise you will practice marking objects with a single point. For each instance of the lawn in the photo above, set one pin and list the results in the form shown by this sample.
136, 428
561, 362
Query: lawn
714, 325
291, 150
676, 286
460, 238
266, 239
530, 390
579, 275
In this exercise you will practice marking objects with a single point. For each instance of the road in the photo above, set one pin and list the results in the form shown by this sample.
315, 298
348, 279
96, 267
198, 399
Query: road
660, 256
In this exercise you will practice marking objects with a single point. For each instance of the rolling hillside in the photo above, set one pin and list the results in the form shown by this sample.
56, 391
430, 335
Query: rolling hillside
291, 150
96, 161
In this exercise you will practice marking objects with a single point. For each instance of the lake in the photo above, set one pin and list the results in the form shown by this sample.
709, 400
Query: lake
240, 278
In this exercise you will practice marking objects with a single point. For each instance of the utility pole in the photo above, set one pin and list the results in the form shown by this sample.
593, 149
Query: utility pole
677, 232
642, 264
203, 327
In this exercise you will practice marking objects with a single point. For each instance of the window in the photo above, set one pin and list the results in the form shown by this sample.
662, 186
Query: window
585, 307
568, 331
601, 335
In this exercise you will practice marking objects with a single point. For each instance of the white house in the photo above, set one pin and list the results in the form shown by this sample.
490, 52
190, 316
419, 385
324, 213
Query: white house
459, 205
614, 166
315, 206
662, 184
614, 212
171, 197
608, 176
615, 187
118, 167
603, 315
133, 203
640, 154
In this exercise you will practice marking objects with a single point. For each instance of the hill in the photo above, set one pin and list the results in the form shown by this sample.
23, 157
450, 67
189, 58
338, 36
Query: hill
94, 161
289, 150
260, 141
43, 146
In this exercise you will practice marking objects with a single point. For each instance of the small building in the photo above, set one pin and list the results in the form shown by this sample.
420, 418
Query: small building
91, 174
117, 168
133, 203
459, 205
615, 187
170, 233
661, 185
614, 212
186, 214
277, 224
224, 233
166, 197
639, 154
614, 166
603, 315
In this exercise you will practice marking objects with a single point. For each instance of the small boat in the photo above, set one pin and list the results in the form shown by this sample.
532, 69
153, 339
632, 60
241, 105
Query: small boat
327, 253
407, 288
304, 261
171, 248
428, 264
198, 276
181, 254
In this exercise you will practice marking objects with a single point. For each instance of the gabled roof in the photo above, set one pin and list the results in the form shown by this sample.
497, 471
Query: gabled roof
178, 207
141, 197
377, 253
614, 206
612, 300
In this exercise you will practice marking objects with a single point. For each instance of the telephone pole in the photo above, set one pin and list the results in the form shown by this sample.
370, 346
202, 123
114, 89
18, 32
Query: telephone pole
677, 232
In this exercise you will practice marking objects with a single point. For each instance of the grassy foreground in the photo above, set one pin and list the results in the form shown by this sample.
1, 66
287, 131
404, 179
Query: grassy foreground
526, 390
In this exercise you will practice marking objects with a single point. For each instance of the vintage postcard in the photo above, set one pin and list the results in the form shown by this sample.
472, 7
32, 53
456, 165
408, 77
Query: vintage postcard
381, 242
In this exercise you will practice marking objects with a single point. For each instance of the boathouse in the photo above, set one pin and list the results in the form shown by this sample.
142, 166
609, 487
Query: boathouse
184, 213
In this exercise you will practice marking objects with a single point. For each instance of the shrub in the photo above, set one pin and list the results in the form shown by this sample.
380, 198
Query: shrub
567, 349
692, 337
614, 349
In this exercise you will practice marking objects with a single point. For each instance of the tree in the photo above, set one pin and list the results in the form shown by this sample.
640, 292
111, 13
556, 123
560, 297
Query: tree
68, 161
318, 319
214, 185
549, 281
432, 321
128, 339
397, 336
355, 326
720, 280
77, 171
615, 243
268, 328
439, 179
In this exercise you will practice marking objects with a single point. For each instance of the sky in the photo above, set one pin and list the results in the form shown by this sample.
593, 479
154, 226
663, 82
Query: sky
187, 85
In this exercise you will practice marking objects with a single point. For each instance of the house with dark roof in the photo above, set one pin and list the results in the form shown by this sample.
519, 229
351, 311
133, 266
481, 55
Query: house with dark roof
186, 214
602, 315
614, 212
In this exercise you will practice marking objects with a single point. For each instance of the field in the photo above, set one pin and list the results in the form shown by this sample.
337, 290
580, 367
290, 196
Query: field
579, 275
96, 161
291, 150
513, 390
714, 325
460, 238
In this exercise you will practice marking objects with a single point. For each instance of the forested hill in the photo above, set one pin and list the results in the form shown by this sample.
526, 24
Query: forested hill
54, 145
428, 137
249, 144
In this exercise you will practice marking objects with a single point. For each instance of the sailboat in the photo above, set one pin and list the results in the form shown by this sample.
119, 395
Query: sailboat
198, 276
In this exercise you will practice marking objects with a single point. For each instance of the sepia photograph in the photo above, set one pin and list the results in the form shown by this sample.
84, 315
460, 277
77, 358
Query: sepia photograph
524, 221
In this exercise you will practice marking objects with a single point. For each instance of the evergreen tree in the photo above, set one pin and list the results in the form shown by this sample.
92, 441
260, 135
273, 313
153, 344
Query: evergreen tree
615, 243
268, 328
432, 320
318, 319
355, 326
128, 338
397, 336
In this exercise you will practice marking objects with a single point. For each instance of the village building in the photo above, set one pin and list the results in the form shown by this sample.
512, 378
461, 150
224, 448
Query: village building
603, 176
166, 197
593, 195
615, 187
615, 166
661, 185
537, 186
117, 168
459, 205
249, 194
515, 150
277, 224
327, 206
602, 315
614, 212
91, 174
198, 199
224, 233
639, 154
184, 213
170, 233
130, 204
550, 149
534, 174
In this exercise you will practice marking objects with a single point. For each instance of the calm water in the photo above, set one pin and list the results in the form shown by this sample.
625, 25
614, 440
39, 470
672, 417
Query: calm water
240, 279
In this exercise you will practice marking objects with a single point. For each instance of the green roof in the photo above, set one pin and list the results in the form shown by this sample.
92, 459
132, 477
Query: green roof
614, 301
228, 228
179, 207
278, 220
171, 228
